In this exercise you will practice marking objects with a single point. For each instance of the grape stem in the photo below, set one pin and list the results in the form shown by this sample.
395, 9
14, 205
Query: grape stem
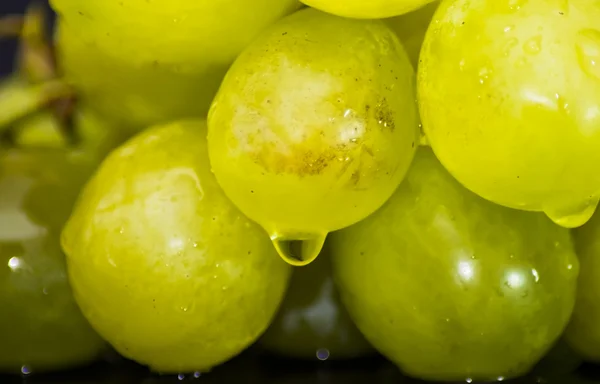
20, 99
11, 26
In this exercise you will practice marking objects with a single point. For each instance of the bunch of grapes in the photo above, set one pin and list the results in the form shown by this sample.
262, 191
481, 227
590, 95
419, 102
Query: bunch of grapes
181, 179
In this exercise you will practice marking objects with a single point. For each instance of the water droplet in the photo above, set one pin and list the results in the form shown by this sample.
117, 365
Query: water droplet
180, 377
323, 354
197, 374
469, 380
45, 291
536, 275
587, 45
15, 263
508, 28
573, 216
25, 370
299, 250
515, 5
500, 378
509, 45
484, 74
533, 46
195, 245
121, 230
184, 309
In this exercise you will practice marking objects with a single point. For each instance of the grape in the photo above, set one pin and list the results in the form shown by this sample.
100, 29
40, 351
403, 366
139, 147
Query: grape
163, 266
452, 287
314, 127
41, 327
372, 9
312, 322
508, 93
143, 62
583, 333
411, 28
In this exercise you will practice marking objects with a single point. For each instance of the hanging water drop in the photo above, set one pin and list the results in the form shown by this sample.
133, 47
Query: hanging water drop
299, 250
573, 216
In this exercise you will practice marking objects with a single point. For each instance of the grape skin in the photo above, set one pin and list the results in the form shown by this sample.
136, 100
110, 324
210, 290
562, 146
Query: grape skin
314, 128
507, 93
449, 286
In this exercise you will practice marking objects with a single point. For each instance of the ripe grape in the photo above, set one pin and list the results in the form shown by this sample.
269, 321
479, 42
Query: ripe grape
143, 62
314, 127
452, 287
164, 267
41, 327
509, 93
371, 9
312, 323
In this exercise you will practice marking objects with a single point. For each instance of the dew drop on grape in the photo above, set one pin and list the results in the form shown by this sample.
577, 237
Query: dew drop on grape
299, 250
574, 216
588, 51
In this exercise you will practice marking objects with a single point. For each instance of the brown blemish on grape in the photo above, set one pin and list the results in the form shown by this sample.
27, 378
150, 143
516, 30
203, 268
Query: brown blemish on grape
299, 161
384, 115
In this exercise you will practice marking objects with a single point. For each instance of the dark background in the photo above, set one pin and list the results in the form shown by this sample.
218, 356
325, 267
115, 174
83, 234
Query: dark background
255, 366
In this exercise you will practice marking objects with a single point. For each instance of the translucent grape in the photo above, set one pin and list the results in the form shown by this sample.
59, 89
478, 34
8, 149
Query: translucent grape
163, 266
314, 127
451, 287
143, 62
509, 94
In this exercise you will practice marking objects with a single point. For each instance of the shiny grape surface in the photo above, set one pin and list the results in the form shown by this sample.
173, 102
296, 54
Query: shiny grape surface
314, 125
164, 267
452, 287
509, 94
41, 327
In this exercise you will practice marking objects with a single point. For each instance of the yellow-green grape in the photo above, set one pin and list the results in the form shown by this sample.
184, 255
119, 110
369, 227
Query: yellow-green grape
41, 327
312, 323
411, 28
583, 333
314, 127
366, 9
143, 62
452, 287
509, 94
162, 264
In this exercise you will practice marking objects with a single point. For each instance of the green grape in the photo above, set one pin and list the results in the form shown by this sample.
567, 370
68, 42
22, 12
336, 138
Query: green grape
312, 322
314, 127
583, 333
143, 62
509, 93
450, 286
371, 9
41, 327
411, 28
163, 266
